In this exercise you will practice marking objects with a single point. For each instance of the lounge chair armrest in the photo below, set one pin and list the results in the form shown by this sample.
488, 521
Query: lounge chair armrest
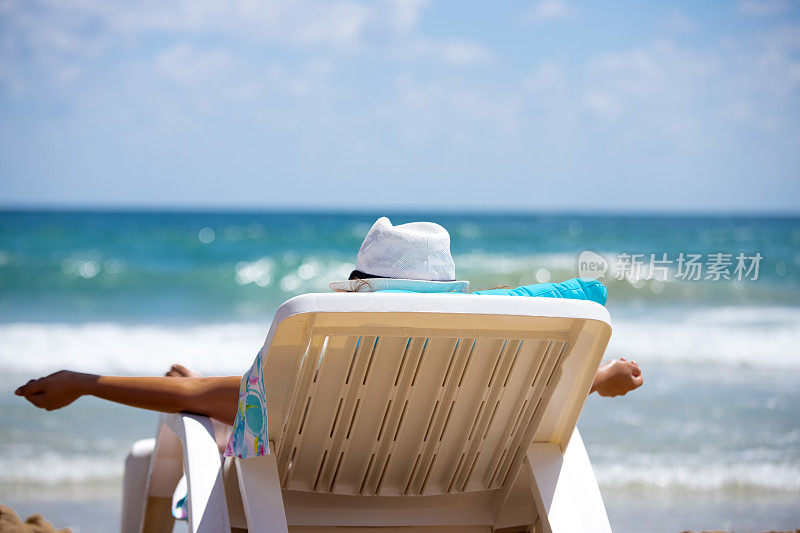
262, 499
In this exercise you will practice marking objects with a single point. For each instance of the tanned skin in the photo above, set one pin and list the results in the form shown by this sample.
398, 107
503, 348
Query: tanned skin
216, 397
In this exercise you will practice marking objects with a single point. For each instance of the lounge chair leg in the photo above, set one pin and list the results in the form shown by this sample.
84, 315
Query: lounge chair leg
564, 488
261, 494
137, 464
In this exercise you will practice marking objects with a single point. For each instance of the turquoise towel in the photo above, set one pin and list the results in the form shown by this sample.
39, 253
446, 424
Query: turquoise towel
576, 288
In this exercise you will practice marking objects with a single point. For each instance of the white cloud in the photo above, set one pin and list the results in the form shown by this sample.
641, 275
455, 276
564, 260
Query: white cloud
464, 53
602, 104
54, 44
547, 10
783, 37
763, 8
678, 22
186, 65
406, 13
671, 94
453, 52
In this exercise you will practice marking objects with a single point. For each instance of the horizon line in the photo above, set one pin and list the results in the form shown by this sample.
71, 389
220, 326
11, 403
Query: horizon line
445, 210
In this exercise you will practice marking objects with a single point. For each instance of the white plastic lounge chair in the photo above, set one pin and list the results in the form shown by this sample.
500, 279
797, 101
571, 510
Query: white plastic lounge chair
447, 412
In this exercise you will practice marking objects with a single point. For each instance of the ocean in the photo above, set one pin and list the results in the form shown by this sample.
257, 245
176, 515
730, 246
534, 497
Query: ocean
711, 441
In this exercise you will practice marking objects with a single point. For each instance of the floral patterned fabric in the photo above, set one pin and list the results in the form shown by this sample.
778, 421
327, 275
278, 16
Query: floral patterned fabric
249, 437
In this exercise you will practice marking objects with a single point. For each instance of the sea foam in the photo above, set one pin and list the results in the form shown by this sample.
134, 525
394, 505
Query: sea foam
106, 347
711, 477
54, 469
758, 337
763, 337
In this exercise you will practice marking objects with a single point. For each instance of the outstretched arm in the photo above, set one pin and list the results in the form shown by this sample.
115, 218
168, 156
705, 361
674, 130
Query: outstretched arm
216, 397
617, 377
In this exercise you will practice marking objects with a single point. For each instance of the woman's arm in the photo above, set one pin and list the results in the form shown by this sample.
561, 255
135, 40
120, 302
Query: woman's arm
216, 397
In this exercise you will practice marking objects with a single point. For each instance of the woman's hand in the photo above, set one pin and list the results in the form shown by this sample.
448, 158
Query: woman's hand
617, 377
54, 391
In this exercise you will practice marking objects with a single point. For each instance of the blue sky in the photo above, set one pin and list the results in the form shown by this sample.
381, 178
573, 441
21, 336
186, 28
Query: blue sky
410, 104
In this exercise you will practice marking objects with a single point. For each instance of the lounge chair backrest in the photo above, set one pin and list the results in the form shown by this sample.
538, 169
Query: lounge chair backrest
423, 394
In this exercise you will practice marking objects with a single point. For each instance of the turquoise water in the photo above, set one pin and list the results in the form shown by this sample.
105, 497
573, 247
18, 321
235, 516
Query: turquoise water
140, 266
716, 426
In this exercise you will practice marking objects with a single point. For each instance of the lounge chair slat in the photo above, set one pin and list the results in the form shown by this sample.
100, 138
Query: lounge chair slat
529, 360
355, 358
446, 402
307, 364
540, 398
494, 399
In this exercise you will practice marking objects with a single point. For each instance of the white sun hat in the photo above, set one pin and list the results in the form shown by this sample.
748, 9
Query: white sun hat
412, 257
